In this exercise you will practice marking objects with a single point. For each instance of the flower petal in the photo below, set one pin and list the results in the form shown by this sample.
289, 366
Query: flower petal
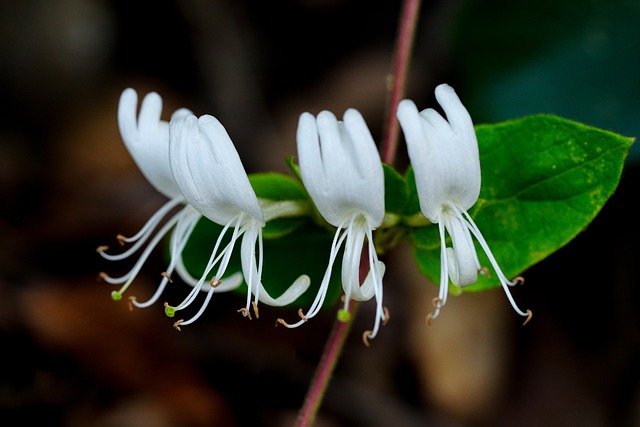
208, 170
444, 155
147, 139
341, 167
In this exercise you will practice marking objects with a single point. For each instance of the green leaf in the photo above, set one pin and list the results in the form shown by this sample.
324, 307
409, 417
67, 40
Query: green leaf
544, 179
396, 192
278, 187
303, 251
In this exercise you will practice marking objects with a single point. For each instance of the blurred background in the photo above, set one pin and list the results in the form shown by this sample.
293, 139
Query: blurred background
72, 357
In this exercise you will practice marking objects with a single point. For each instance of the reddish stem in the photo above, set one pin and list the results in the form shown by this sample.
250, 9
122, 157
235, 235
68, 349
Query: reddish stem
398, 77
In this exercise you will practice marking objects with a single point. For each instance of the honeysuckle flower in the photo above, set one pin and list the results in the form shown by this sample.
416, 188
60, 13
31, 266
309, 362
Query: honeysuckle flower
342, 172
147, 140
210, 176
446, 163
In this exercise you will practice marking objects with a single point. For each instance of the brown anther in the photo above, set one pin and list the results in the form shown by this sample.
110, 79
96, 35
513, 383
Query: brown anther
130, 302
428, 319
302, 316
102, 276
176, 325
121, 239
282, 322
365, 337
102, 248
519, 280
437, 302
484, 271
529, 316
245, 313
213, 282
343, 297
166, 276
255, 309
386, 316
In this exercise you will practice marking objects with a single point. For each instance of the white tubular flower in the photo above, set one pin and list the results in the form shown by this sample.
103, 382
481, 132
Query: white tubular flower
445, 159
147, 140
342, 171
210, 175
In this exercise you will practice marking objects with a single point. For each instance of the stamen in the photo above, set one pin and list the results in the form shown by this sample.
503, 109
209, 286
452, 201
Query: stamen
484, 271
437, 302
245, 313
365, 337
428, 319
386, 316
529, 316
166, 276
301, 314
121, 239
282, 322
255, 309
103, 276
519, 281
102, 248
131, 300
213, 282
176, 325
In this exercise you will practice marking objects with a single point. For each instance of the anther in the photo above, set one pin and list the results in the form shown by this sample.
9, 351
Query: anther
121, 239
428, 319
386, 316
102, 248
103, 276
176, 325
529, 316
130, 302
301, 314
519, 280
282, 322
484, 271
365, 337
166, 276
437, 302
213, 282
245, 312
343, 297
255, 309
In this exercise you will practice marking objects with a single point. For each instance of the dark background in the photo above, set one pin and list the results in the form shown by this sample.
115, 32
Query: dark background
72, 357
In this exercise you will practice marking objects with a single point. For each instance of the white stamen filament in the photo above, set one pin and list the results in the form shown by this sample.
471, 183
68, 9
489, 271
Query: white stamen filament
223, 257
179, 239
128, 278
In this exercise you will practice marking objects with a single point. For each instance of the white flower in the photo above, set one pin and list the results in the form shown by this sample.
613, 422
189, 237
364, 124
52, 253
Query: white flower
210, 175
147, 140
445, 159
342, 171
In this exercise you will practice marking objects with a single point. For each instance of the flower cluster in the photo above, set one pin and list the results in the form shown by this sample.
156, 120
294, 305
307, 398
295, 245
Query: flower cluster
193, 162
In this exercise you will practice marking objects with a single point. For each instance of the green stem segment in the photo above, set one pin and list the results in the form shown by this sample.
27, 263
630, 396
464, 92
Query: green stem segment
340, 331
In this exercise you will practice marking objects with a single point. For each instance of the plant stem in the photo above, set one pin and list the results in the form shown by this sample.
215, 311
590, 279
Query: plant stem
335, 342
327, 363
398, 77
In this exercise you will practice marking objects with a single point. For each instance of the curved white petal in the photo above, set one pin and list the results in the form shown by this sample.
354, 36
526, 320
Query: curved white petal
341, 167
462, 258
444, 154
147, 139
208, 170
